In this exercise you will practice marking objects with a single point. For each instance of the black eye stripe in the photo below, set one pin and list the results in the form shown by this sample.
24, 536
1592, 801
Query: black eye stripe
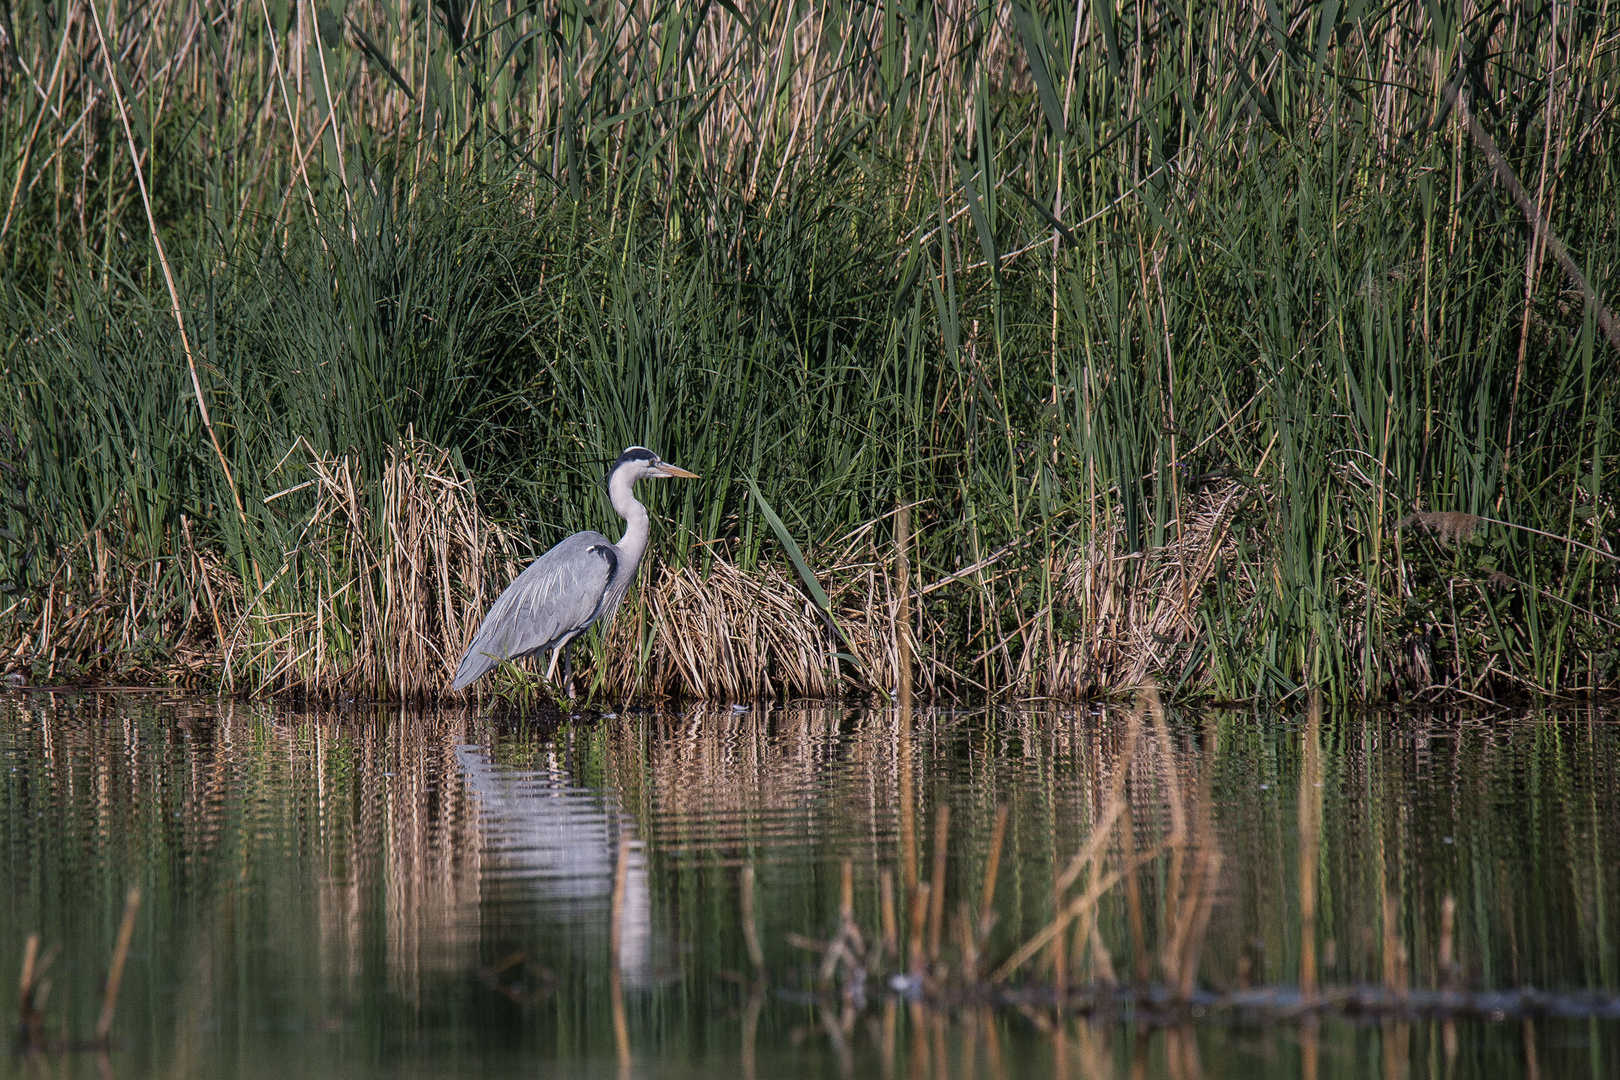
635, 453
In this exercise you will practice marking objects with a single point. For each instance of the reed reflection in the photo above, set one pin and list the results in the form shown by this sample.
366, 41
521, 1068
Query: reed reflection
352, 887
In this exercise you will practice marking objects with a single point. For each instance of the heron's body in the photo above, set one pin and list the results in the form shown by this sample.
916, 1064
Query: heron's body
572, 587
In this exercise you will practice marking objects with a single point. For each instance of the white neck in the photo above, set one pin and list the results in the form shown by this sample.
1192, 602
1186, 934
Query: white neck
634, 541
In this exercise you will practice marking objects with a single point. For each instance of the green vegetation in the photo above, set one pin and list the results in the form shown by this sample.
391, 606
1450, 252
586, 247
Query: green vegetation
1207, 339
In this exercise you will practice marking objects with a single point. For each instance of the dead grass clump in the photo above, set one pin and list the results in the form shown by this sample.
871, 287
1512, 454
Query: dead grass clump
375, 599
1137, 610
108, 614
379, 586
723, 633
726, 634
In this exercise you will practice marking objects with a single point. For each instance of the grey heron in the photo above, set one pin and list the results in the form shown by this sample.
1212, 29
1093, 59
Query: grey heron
575, 585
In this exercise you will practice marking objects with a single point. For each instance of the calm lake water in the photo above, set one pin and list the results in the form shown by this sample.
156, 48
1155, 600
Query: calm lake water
386, 892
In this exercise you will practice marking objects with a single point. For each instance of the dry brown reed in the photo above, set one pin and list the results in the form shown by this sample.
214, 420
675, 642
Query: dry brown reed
399, 588
750, 924
621, 1022
887, 918
33, 990
1310, 833
992, 868
1446, 962
902, 625
936, 898
115, 974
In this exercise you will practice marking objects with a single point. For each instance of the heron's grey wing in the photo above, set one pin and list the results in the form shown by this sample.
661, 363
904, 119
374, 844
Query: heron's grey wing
559, 595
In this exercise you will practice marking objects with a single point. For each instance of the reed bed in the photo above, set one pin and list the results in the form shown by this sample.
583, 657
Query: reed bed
1171, 326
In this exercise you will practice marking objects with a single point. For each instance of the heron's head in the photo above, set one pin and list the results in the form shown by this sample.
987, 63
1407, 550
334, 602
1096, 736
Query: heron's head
640, 463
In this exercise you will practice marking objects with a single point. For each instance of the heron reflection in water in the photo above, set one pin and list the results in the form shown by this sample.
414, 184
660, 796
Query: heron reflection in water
570, 588
550, 846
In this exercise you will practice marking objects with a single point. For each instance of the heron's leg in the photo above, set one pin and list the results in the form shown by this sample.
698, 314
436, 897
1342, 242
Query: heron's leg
568, 669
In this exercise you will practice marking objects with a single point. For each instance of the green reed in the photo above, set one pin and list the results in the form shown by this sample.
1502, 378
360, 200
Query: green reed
1080, 280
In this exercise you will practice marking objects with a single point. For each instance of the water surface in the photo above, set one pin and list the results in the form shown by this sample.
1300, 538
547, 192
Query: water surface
384, 892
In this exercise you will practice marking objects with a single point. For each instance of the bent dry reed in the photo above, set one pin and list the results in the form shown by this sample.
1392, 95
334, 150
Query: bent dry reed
1175, 329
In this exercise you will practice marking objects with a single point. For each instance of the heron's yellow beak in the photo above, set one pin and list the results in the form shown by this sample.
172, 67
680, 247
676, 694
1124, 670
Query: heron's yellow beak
666, 469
